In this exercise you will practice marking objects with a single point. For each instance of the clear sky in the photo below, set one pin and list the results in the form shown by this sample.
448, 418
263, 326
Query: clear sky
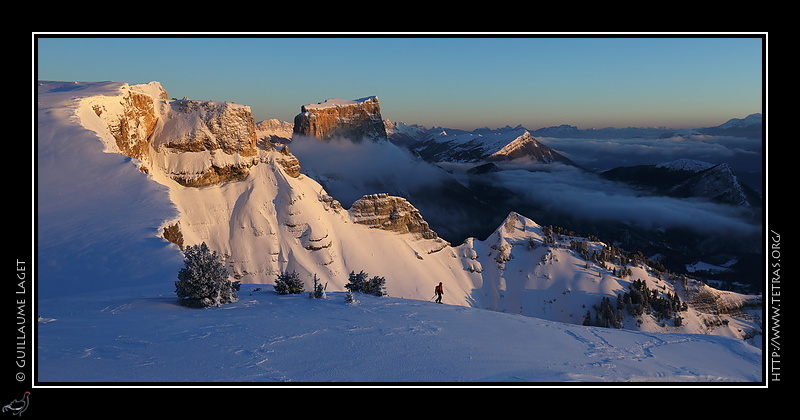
461, 81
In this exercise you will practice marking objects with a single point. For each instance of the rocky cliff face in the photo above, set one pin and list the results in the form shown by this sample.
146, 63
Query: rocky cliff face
195, 143
274, 131
289, 162
394, 214
357, 120
202, 143
131, 121
194, 126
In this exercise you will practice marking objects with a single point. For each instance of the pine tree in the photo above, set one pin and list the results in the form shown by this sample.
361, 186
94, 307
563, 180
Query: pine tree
289, 283
376, 286
349, 298
355, 282
319, 289
587, 319
361, 283
203, 281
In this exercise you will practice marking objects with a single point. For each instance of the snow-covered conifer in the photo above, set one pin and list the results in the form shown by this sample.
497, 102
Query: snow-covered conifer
349, 298
361, 283
319, 289
289, 283
203, 281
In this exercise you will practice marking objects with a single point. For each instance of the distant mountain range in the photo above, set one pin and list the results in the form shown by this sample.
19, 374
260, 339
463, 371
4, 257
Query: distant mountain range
495, 171
689, 178
526, 184
680, 178
748, 127
478, 146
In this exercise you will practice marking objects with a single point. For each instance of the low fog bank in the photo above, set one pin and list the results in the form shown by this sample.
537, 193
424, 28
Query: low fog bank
459, 204
350, 169
587, 195
447, 195
744, 155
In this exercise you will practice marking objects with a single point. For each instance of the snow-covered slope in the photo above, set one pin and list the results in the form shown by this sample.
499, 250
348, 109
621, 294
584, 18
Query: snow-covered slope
144, 336
97, 217
99, 225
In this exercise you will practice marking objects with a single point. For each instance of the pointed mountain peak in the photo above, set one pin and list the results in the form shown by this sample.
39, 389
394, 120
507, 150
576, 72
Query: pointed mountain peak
524, 145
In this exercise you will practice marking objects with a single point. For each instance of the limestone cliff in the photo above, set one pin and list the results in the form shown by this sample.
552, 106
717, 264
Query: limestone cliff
202, 143
132, 120
356, 120
289, 162
390, 213
274, 131
193, 126
195, 143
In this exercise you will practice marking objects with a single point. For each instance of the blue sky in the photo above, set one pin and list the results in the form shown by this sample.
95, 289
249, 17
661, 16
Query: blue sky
458, 82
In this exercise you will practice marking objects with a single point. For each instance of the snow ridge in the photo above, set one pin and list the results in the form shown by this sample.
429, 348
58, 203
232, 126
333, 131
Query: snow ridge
685, 165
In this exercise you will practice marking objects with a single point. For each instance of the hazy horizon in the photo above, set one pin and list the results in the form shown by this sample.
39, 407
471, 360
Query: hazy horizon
456, 82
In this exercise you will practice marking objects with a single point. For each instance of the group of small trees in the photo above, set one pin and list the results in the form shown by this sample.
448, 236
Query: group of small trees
606, 315
362, 283
290, 283
638, 300
204, 282
613, 254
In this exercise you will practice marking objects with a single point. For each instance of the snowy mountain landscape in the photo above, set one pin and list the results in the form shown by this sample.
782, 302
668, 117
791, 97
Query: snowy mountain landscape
127, 179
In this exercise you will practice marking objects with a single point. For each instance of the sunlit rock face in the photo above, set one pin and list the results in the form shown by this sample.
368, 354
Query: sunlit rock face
196, 143
274, 131
390, 213
203, 143
132, 119
356, 120
288, 161
195, 126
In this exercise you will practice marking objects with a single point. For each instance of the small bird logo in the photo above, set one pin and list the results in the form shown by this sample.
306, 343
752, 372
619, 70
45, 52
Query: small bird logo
18, 406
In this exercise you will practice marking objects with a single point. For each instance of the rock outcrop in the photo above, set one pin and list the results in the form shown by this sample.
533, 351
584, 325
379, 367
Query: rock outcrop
202, 143
194, 126
390, 213
289, 162
356, 120
196, 143
132, 121
274, 132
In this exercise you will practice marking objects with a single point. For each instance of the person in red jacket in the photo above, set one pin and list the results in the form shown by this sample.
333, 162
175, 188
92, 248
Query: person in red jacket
439, 292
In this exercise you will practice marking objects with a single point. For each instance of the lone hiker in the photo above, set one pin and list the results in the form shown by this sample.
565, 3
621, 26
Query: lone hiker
439, 292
